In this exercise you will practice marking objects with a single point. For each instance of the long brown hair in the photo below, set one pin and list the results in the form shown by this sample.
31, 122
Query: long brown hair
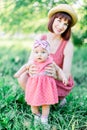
66, 35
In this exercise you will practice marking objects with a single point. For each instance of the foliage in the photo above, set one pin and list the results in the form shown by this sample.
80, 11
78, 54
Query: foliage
15, 114
82, 19
17, 15
31, 17
12, 57
80, 36
80, 69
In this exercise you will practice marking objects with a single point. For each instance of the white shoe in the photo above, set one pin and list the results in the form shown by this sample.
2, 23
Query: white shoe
63, 102
37, 120
44, 122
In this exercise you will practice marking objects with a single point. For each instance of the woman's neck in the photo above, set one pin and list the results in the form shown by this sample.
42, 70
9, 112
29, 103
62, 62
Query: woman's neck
55, 36
54, 41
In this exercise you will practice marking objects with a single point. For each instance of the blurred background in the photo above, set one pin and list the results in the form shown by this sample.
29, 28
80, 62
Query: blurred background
20, 18
20, 22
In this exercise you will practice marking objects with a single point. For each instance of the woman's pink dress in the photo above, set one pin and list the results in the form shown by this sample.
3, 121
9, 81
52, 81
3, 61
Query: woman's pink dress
58, 57
41, 89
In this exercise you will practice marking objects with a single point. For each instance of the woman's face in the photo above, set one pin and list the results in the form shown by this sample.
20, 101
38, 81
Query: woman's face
59, 25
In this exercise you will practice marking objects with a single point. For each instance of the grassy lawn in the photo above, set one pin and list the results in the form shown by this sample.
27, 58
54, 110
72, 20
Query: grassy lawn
15, 114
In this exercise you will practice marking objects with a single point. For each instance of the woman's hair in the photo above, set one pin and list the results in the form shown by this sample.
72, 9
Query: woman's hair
66, 35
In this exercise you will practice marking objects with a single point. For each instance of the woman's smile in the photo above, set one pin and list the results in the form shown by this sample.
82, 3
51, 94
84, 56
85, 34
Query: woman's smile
60, 25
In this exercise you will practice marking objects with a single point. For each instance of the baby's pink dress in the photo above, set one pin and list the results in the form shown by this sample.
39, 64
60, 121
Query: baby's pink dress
58, 57
41, 89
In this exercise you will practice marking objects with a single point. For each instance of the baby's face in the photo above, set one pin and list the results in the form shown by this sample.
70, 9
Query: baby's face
40, 54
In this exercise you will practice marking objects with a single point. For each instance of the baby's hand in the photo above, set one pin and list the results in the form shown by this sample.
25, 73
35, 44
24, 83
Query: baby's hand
16, 75
21, 70
65, 81
63, 77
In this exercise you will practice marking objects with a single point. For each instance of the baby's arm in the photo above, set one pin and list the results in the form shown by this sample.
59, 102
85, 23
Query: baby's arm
61, 74
20, 71
62, 77
24, 67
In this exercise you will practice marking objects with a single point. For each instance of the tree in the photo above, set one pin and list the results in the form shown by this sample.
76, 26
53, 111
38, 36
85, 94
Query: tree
27, 16
31, 16
80, 36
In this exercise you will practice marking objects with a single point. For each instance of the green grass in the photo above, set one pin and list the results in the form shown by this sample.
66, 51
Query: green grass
15, 114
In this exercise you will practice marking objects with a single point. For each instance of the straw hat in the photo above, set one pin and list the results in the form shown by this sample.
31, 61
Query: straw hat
64, 8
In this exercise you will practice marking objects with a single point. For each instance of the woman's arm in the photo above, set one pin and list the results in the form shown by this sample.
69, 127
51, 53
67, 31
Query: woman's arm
68, 56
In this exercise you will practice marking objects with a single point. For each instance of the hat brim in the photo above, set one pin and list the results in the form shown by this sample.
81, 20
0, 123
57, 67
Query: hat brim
64, 8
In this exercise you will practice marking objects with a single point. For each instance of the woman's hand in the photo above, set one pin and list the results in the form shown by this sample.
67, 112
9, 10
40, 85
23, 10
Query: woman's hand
32, 70
50, 70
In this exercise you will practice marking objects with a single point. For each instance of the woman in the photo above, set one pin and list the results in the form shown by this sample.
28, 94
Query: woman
61, 19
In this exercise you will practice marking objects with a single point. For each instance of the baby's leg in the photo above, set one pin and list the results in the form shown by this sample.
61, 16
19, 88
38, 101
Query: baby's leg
45, 114
45, 110
35, 111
